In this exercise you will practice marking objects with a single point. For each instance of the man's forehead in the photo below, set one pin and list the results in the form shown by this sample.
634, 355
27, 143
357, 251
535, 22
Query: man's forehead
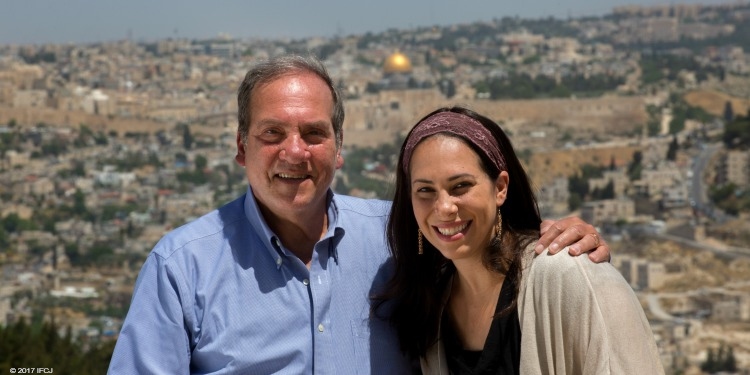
291, 76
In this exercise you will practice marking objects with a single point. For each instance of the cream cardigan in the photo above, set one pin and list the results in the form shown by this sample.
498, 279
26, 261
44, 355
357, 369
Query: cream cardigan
576, 317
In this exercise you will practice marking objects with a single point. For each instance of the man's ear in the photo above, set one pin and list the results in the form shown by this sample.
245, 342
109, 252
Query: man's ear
339, 159
240, 157
501, 184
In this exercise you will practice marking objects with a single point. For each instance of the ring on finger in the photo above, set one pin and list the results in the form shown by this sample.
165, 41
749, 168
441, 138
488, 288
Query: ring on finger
596, 239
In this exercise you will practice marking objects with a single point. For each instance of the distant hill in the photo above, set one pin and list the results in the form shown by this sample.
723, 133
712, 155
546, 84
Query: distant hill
713, 102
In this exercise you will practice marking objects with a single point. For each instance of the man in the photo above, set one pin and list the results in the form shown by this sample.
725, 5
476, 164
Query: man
278, 280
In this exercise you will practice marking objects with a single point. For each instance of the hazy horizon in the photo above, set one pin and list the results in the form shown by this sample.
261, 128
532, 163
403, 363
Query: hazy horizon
81, 21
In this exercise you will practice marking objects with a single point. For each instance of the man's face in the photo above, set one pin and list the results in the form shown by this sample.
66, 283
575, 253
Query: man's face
291, 155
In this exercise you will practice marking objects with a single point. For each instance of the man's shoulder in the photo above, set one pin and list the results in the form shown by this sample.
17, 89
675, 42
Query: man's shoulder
362, 206
211, 224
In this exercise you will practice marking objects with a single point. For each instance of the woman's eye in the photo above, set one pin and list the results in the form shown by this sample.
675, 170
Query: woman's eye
460, 187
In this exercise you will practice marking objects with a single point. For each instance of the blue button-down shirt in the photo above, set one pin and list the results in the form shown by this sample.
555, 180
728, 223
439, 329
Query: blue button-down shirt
223, 295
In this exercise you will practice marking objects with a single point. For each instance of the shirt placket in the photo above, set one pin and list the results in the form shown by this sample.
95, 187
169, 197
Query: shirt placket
319, 290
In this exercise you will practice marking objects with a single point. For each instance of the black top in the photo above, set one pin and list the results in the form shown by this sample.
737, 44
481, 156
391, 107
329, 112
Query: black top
502, 349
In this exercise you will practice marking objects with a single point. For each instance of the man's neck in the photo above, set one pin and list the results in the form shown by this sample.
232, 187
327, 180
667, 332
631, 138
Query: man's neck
299, 232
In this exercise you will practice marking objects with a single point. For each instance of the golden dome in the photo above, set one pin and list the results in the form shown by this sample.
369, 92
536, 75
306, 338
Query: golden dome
397, 63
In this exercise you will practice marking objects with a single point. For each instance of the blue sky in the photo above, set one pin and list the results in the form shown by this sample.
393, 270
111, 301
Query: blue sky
77, 21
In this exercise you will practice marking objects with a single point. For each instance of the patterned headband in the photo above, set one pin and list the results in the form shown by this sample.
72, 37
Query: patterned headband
458, 124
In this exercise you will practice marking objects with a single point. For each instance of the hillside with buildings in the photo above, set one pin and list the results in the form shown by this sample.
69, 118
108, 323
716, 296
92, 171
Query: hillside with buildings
636, 121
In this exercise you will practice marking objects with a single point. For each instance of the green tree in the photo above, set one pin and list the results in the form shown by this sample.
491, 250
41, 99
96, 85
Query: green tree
737, 133
187, 137
728, 111
635, 167
14, 223
672, 150
722, 360
609, 190
710, 364
730, 362
4, 241
574, 201
200, 162
24, 345
79, 203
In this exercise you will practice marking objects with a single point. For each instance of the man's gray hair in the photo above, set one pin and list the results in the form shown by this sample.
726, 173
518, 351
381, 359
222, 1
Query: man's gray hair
272, 69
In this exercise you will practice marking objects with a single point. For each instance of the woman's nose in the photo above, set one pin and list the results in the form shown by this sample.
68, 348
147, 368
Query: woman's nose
446, 205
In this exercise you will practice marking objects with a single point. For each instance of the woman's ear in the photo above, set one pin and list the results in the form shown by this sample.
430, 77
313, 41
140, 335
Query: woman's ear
501, 184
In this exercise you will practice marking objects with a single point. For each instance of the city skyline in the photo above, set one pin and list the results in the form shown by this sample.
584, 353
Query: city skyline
80, 21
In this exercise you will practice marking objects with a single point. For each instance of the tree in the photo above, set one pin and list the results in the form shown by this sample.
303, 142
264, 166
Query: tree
200, 162
722, 360
187, 137
14, 223
730, 363
448, 88
728, 112
4, 241
25, 345
710, 364
737, 133
635, 167
672, 150
79, 203
574, 201
609, 191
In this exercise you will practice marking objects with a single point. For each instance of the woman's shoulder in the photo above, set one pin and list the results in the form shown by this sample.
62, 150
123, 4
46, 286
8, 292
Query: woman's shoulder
565, 269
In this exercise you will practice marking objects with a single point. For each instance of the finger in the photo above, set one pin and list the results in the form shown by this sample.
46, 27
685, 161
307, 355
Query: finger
549, 230
601, 254
546, 224
589, 242
572, 235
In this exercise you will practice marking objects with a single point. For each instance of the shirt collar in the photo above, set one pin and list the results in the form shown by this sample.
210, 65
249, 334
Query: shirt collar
271, 240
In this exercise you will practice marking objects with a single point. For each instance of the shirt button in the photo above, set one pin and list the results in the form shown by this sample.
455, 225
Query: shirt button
278, 261
320, 327
306, 282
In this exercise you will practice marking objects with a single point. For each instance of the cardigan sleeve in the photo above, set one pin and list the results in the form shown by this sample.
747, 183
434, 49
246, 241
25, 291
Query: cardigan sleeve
578, 317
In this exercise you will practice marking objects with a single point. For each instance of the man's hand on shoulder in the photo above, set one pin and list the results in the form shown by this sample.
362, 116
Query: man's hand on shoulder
571, 231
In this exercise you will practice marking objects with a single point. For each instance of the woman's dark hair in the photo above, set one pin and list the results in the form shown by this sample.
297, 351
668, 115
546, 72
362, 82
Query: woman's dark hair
414, 294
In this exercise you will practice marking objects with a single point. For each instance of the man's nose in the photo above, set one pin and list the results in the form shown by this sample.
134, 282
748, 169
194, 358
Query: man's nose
294, 150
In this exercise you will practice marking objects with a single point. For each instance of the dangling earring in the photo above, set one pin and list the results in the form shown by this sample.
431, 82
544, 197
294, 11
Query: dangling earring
499, 224
419, 241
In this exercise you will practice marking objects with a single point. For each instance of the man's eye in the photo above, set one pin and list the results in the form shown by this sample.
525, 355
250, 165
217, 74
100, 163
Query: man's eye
270, 135
316, 136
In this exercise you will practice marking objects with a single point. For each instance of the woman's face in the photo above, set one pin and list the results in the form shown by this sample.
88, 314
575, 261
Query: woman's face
455, 201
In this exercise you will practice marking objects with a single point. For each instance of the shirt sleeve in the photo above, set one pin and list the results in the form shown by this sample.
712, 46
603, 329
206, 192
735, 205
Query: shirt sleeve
153, 338
578, 317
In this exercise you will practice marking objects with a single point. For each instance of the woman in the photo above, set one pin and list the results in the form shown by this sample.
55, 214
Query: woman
468, 295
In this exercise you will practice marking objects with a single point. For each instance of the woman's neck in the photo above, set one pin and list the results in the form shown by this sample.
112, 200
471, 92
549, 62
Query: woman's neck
474, 279
472, 304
